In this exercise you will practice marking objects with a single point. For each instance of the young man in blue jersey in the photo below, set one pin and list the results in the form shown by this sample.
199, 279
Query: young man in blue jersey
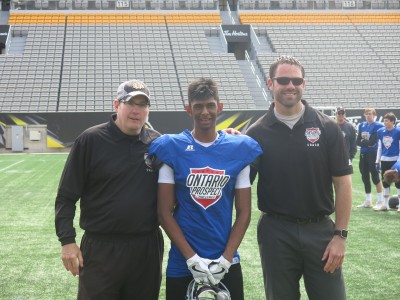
205, 174
388, 153
367, 139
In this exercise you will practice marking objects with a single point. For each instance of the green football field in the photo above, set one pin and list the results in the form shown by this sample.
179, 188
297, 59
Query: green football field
31, 268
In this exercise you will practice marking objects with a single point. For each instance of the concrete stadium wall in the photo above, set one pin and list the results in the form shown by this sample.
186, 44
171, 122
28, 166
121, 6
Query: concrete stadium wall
63, 128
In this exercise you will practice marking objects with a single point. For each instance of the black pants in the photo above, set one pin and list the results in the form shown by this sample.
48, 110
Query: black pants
289, 251
121, 268
367, 166
176, 287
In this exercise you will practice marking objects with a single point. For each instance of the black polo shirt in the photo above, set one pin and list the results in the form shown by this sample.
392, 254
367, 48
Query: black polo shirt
106, 169
350, 137
295, 171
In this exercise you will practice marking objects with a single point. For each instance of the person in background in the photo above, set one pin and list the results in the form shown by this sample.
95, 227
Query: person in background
367, 139
387, 155
303, 149
205, 174
120, 255
2, 137
349, 132
390, 176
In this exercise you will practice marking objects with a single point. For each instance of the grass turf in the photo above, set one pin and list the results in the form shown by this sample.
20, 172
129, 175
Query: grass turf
31, 267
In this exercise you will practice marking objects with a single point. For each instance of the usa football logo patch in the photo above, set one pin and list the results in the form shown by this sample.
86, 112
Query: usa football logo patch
312, 134
387, 141
206, 185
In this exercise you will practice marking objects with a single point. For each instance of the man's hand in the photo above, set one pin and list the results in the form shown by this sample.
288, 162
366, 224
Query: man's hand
232, 131
218, 269
72, 258
334, 254
198, 266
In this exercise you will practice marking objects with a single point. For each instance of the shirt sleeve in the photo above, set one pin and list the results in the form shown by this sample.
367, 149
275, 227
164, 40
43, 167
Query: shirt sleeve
353, 145
243, 179
166, 175
379, 153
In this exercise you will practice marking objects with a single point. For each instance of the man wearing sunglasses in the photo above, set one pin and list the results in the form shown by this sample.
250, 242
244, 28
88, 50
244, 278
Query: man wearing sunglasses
349, 132
304, 164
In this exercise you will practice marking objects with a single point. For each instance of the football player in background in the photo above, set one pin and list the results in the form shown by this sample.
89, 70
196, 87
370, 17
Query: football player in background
388, 153
390, 176
367, 139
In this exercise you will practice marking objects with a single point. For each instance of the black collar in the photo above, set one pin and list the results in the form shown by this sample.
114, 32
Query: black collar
146, 135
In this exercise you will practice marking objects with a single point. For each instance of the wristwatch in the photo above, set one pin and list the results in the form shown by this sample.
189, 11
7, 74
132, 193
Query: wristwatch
342, 233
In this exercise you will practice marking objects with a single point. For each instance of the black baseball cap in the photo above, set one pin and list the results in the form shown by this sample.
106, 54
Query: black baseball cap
132, 88
340, 109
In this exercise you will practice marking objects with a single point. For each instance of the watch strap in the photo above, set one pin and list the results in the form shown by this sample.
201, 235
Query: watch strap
342, 233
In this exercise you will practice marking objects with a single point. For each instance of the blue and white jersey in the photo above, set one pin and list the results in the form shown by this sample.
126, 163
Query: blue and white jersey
366, 131
396, 167
205, 180
388, 144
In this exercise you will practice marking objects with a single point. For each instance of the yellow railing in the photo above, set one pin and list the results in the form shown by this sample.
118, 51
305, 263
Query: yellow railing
252, 18
114, 18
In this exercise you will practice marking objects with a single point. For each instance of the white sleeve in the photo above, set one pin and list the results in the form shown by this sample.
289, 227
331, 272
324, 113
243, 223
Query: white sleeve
379, 153
166, 175
243, 180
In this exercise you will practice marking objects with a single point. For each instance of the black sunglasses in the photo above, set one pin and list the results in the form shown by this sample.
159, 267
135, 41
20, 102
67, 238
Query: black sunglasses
285, 80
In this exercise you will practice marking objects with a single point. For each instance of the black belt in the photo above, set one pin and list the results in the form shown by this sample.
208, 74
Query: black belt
295, 219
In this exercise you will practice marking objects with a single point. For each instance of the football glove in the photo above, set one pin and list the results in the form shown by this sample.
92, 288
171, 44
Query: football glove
218, 269
198, 266
377, 167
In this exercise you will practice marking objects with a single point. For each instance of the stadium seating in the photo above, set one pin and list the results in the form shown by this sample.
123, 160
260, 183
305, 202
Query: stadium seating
73, 61
343, 54
194, 59
102, 50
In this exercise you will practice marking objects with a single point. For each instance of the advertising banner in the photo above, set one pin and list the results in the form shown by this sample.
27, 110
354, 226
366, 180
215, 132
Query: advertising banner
4, 33
236, 33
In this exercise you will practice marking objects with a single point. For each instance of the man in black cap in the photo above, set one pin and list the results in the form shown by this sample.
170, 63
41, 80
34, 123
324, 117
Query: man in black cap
121, 251
349, 132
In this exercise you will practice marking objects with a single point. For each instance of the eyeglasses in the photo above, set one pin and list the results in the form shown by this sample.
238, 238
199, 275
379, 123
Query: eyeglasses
340, 113
285, 80
140, 105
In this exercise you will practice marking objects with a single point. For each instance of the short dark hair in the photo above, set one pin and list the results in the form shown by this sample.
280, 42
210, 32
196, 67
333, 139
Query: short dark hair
390, 116
203, 89
282, 60
389, 176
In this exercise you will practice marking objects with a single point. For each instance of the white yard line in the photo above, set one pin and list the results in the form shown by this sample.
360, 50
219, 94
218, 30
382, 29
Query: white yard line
16, 163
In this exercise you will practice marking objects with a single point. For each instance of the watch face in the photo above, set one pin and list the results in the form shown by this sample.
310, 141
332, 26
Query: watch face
344, 233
